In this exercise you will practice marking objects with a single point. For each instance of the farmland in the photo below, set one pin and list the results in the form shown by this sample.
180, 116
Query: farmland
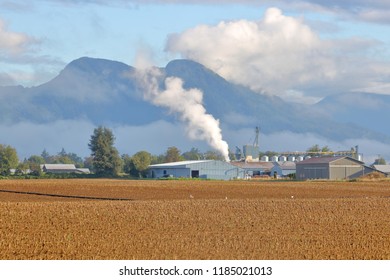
194, 219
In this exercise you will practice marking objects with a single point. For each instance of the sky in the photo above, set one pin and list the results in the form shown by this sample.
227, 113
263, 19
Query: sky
300, 51
316, 47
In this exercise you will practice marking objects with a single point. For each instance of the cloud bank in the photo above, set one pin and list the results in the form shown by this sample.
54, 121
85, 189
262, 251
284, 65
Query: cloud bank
19, 49
12, 43
280, 55
74, 135
377, 11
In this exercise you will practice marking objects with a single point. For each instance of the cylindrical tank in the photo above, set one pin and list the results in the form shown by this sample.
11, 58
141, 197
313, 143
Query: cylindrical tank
282, 158
300, 158
307, 157
275, 158
291, 158
264, 158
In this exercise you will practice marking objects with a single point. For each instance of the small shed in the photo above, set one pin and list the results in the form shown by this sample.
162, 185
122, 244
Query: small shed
333, 168
205, 169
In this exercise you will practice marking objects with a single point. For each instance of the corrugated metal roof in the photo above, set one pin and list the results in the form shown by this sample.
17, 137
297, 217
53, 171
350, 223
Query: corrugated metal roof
253, 165
59, 166
287, 165
315, 160
382, 168
178, 163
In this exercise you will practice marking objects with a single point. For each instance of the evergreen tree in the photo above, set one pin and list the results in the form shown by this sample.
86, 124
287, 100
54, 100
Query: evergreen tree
106, 160
45, 155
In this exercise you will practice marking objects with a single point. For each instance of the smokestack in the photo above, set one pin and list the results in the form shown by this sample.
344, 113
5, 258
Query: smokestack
188, 104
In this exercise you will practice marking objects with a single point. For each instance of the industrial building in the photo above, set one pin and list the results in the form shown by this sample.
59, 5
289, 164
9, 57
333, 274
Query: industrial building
205, 169
254, 169
383, 168
283, 169
333, 168
249, 152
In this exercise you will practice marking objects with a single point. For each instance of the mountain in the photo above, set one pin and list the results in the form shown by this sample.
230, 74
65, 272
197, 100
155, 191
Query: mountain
330, 118
95, 89
105, 92
364, 109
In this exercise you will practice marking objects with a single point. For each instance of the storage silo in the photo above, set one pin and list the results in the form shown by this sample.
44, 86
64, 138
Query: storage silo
275, 158
265, 158
300, 158
282, 158
291, 158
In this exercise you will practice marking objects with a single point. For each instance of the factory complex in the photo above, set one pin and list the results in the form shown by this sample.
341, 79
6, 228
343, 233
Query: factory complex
340, 165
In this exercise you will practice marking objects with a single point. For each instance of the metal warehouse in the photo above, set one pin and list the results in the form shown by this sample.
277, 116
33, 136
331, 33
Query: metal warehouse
205, 169
333, 168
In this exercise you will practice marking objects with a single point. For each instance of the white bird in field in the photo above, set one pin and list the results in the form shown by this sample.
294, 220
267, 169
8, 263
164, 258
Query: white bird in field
292, 196
191, 196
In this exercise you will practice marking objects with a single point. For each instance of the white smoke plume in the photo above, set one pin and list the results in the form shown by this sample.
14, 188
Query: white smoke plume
188, 104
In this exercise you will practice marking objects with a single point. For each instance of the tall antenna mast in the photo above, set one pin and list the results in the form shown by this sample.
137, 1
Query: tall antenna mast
256, 142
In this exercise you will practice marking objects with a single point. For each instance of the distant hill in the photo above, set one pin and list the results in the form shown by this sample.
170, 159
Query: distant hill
367, 110
105, 92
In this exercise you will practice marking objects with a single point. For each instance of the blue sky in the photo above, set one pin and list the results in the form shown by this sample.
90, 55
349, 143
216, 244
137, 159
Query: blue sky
348, 35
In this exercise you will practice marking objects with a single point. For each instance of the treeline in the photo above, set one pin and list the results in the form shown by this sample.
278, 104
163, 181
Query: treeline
10, 163
104, 161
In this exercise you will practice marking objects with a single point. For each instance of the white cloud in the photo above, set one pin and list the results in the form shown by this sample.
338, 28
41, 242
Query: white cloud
372, 11
13, 43
20, 59
271, 55
279, 55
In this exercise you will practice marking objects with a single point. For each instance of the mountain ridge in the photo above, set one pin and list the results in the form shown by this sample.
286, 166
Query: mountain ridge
105, 92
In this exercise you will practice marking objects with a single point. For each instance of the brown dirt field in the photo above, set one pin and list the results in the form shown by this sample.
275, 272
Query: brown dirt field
195, 220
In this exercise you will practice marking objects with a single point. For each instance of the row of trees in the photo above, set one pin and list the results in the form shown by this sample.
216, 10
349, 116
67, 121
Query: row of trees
106, 161
9, 160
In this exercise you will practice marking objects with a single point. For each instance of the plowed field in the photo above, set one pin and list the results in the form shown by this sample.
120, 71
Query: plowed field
122, 219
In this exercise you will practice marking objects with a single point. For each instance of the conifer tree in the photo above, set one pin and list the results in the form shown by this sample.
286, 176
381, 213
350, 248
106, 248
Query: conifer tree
106, 160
